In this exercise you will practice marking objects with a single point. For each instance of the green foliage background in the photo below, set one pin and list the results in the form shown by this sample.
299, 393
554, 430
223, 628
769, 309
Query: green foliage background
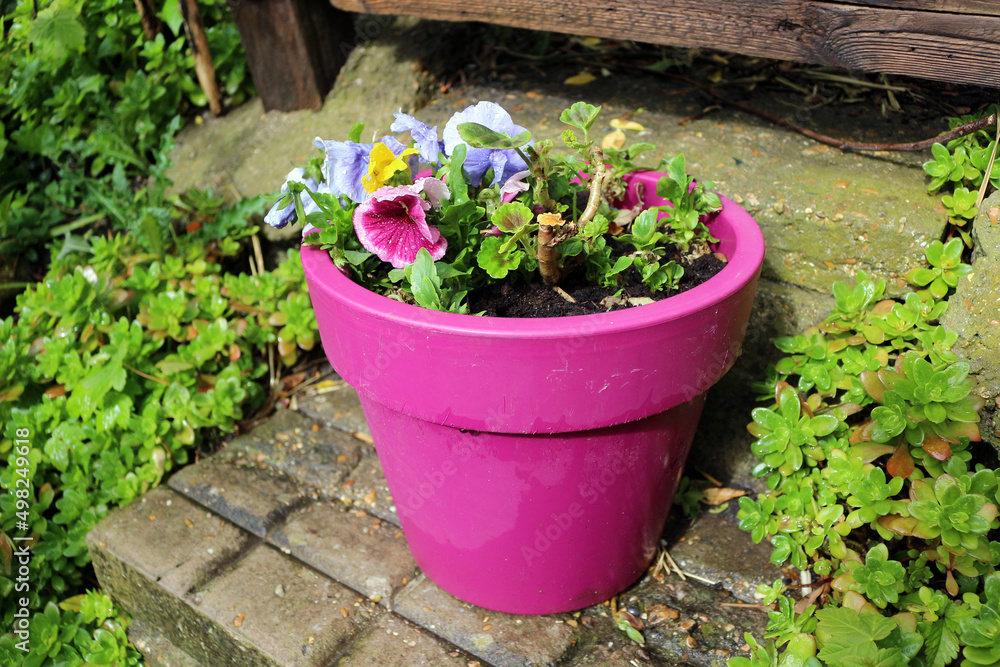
88, 108
141, 341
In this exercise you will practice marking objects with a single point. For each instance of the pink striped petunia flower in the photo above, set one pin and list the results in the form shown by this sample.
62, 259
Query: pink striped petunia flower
392, 222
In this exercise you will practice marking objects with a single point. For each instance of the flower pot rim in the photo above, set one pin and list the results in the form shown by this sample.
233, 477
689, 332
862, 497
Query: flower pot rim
741, 268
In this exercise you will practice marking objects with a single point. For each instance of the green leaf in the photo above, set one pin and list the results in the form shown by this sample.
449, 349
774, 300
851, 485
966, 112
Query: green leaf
621, 264
480, 136
355, 133
424, 281
57, 33
171, 15
644, 227
495, 262
920, 276
512, 216
940, 643
581, 116
457, 184
934, 253
843, 634
823, 424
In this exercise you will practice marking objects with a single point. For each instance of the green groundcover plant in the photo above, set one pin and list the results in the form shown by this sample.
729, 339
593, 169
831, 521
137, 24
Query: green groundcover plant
492, 205
119, 364
88, 106
865, 449
958, 170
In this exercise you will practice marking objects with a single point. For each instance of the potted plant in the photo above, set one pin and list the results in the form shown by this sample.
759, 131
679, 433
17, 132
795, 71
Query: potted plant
532, 461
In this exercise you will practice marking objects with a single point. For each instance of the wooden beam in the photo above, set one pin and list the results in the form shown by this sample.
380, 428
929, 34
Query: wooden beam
294, 49
984, 7
859, 35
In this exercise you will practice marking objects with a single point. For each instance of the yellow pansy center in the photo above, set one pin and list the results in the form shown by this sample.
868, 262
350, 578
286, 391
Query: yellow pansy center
382, 164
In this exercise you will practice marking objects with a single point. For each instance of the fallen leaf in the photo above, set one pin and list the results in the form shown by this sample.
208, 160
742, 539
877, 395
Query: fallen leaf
325, 384
716, 496
238, 621
620, 124
614, 139
581, 79
611, 301
293, 380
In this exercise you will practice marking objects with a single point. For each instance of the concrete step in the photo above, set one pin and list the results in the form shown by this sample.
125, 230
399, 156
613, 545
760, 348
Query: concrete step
284, 549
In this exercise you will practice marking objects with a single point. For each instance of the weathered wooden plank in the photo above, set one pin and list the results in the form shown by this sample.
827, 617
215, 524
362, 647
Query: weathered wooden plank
984, 7
944, 47
294, 49
963, 48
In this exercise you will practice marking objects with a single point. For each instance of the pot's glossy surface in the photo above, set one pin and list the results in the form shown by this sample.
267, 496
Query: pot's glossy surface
533, 461
533, 524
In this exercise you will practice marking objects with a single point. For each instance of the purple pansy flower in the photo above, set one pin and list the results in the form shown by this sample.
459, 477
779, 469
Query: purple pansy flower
392, 222
478, 161
278, 218
347, 163
425, 136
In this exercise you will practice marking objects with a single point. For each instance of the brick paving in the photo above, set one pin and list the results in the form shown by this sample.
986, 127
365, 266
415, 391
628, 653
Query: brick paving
283, 549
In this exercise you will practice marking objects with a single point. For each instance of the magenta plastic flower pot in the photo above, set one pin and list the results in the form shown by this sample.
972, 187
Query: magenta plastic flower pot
533, 461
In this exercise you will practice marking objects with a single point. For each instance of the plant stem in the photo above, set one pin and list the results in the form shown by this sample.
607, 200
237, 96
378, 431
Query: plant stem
74, 225
596, 187
547, 255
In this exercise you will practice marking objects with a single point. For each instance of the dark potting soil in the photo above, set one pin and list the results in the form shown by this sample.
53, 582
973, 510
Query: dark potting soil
539, 300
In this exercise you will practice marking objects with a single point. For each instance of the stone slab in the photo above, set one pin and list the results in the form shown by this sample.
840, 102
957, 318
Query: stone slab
284, 609
156, 649
304, 449
144, 565
168, 539
688, 623
974, 312
249, 497
338, 406
394, 642
359, 550
715, 548
504, 640
365, 488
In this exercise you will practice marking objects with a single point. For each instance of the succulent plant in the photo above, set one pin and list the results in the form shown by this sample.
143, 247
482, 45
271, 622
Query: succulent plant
946, 264
930, 408
879, 579
787, 436
947, 512
981, 635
